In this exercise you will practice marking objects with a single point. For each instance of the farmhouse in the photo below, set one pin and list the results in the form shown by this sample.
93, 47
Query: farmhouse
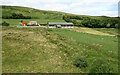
33, 23
60, 25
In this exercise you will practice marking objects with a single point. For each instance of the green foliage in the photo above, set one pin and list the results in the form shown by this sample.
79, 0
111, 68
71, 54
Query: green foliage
16, 16
101, 66
5, 23
91, 21
66, 18
108, 25
21, 21
116, 25
80, 62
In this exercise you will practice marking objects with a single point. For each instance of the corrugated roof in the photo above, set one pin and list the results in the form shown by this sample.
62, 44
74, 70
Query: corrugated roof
33, 21
60, 23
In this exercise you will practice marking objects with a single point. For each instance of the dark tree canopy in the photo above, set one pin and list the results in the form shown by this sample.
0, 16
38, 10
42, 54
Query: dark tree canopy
16, 16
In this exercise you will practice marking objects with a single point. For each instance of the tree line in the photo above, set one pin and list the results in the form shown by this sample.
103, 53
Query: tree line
92, 23
16, 16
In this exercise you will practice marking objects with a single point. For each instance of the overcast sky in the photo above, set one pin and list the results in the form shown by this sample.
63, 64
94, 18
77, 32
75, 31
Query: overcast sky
80, 7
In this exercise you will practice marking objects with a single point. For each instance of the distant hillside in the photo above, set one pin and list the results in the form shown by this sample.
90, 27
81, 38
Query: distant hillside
34, 13
39, 14
18, 12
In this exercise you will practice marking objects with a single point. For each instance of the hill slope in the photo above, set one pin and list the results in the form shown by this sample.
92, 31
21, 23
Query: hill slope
41, 14
34, 13
29, 50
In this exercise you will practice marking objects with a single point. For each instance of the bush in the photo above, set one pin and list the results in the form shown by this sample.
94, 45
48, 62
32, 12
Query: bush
5, 24
108, 25
21, 21
101, 66
80, 62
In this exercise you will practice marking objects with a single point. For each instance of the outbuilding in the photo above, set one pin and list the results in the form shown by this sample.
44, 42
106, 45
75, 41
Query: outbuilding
60, 25
33, 23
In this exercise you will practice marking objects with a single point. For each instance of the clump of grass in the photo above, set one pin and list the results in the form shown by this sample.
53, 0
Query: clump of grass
101, 66
80, 62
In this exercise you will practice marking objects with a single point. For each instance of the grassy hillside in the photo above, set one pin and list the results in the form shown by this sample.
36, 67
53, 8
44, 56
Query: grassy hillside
43, 16
40, 14
32, 50
34, 13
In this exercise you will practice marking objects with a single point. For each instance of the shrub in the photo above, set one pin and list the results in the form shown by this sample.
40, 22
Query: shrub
108, 25
5, 24
116, 25
101, 66
80, 62
21, 21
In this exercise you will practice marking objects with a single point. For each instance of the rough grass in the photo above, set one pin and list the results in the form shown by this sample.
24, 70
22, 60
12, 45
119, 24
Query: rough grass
26, 50
111, 31
32, 50
96, 31
94, 46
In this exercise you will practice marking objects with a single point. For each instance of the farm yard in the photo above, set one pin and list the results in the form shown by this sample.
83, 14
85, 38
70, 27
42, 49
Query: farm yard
41, 50
15, 22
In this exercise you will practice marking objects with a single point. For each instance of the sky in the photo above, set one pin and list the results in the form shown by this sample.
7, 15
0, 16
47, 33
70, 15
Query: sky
79, 7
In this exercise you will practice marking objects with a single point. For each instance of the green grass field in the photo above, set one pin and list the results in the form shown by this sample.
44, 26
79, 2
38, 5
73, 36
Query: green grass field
15, 22
40, 50
32, 50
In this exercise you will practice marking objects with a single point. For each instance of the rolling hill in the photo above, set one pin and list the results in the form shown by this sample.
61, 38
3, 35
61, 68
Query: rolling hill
43, 16
34, 13
40, 14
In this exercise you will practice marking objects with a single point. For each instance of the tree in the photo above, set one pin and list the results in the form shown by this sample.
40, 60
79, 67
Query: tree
108, 25
66, 18
14, 15
116, 25
5, 24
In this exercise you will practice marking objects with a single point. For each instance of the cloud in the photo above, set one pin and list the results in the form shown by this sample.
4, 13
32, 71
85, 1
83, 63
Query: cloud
80, 7
110, 13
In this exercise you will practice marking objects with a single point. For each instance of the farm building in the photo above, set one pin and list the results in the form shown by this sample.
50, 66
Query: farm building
33, 23
23, 24
60, 25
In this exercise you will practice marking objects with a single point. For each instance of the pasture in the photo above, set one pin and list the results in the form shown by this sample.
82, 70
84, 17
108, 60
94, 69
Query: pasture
40, 50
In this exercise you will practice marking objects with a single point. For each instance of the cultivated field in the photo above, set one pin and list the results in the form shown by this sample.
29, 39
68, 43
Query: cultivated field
40, 50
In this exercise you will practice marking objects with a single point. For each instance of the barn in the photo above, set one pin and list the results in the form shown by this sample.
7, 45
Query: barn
33, 23
60, 25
